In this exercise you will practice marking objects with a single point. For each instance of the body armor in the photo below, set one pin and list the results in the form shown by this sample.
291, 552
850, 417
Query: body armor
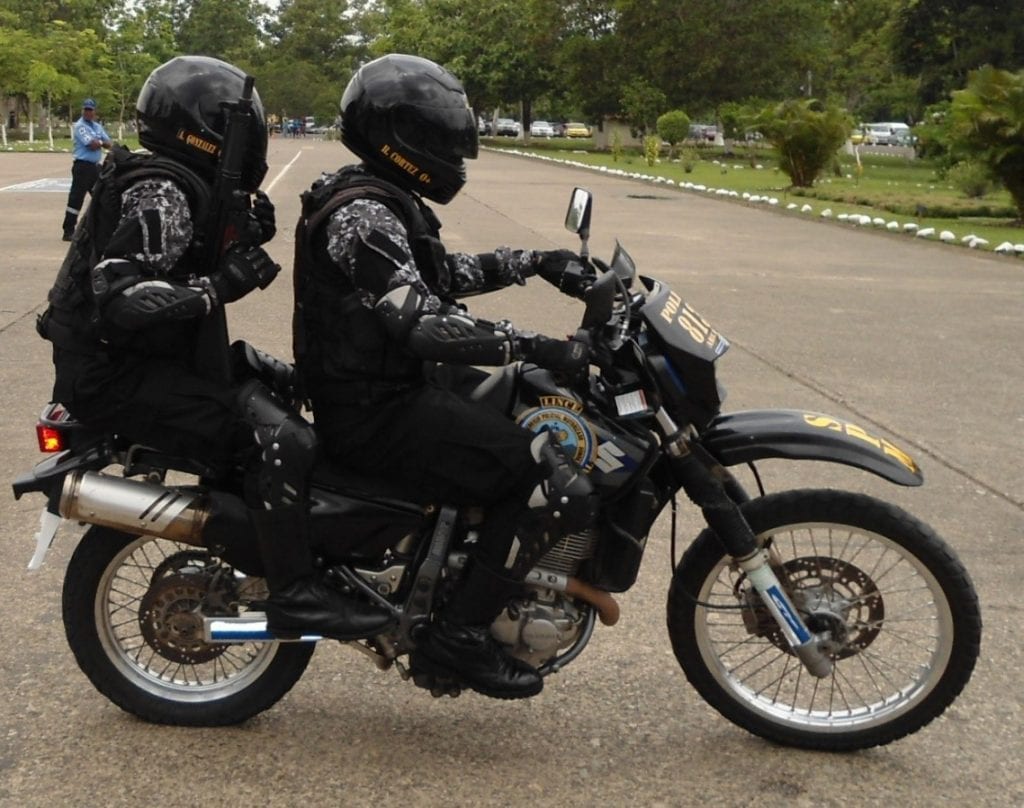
71, 321
329, 310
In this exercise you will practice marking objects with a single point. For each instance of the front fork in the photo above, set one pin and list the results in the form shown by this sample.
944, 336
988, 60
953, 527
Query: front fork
705, 482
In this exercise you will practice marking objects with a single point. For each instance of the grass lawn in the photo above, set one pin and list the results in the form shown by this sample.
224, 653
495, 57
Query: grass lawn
42, 143
895, 189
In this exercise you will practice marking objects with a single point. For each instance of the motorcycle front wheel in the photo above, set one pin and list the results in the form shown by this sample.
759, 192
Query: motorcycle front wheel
898, 607
131, 615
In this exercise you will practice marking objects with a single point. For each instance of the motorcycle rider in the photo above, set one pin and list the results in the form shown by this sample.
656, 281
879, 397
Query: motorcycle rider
374, 308
127, 307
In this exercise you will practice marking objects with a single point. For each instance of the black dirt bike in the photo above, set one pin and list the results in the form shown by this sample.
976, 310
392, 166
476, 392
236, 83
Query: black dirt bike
816, 618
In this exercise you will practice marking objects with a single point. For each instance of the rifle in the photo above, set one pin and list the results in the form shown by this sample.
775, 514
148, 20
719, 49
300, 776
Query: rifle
225, 225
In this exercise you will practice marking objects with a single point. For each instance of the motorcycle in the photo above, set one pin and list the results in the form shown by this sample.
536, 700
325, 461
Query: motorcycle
822, 619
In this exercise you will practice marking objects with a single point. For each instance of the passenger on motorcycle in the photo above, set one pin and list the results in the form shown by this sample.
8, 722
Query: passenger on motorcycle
124, 317
377, 331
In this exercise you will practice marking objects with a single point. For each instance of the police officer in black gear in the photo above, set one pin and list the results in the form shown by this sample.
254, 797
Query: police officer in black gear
124, 317
377, 328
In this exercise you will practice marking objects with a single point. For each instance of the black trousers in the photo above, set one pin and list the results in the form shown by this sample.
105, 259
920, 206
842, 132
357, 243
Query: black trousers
447, 449
157, 402
83, 176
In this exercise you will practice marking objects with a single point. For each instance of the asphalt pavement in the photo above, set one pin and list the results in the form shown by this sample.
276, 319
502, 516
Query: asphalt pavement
918, 342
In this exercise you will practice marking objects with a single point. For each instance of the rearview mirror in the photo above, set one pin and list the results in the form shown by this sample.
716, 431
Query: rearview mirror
577, 218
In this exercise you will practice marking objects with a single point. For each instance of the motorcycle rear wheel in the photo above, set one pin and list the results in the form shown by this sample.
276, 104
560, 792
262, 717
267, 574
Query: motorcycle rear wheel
897, 600
127, 604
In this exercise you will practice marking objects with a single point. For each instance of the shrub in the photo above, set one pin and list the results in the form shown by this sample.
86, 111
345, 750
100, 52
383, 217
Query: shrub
971, 178
616, 146
673, 127
806, 136
652, 149
988, 126
689, 158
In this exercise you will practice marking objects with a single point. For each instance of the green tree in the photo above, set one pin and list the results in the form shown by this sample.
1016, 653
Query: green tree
502, 50
314, 47
17, 49
940, 41
861, 69
988, 125
225, 29
141, 38
673, 127
641, 103
701, 53
806, 135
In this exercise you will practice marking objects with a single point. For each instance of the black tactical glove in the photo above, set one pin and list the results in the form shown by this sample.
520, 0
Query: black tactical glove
241, 270
564, 270
568, 356
263, 212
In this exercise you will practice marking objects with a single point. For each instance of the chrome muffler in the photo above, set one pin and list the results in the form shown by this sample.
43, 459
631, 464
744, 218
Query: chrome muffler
134, 506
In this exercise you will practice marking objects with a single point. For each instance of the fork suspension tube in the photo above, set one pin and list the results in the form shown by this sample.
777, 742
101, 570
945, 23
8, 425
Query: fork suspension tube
705, 482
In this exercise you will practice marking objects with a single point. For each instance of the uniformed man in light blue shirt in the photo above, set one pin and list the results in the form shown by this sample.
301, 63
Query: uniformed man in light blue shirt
89, 138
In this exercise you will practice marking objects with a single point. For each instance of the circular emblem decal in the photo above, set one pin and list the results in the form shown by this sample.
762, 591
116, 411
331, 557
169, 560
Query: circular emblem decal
569, 428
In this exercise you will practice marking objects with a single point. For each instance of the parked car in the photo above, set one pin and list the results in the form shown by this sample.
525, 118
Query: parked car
573, 129
886, 134
703, 131
541, 129
509, 128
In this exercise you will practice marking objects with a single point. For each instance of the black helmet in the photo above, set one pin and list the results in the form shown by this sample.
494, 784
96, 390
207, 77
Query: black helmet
181, 115
410, 118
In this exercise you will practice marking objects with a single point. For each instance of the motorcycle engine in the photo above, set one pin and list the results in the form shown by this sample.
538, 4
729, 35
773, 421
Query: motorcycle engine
538, 628
536, 631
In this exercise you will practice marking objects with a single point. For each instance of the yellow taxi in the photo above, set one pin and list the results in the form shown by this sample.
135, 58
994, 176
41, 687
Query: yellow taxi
577, 130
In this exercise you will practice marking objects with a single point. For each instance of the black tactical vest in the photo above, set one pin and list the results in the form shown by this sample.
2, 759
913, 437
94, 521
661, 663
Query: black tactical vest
342, 351
71, 321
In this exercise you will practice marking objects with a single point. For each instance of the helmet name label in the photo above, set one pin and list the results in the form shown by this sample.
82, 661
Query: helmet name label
197, 142
404, 163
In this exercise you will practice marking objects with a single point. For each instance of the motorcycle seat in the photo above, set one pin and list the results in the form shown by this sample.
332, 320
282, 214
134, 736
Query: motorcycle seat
337, 478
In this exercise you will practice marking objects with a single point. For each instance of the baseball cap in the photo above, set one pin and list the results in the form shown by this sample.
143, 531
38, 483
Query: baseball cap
88, 103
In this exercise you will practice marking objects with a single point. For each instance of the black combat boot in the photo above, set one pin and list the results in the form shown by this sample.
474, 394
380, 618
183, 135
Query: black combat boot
299, 602
70, 220
458, 644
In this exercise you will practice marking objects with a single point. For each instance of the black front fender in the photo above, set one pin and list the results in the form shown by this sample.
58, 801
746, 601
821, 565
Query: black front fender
742, 437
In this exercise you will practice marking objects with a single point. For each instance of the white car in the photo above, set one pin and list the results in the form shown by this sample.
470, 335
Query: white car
508, 127
541, 129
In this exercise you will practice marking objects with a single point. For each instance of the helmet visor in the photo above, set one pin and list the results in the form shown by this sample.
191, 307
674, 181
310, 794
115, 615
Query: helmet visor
448, 134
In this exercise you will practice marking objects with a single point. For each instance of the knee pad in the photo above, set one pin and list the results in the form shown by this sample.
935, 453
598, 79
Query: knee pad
563, 502
287, 443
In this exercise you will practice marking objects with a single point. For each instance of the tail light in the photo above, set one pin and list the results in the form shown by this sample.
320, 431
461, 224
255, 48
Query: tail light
50, 439
48, 430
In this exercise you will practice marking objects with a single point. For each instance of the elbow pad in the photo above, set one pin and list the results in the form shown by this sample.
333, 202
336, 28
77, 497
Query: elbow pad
151, 303
456, 338
459, 339
130, 299
399, 310
147, 303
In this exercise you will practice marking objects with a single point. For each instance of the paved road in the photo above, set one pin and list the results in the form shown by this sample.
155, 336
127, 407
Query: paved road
919, 342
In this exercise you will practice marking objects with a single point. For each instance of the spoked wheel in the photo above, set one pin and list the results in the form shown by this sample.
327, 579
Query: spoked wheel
901, 614
131, 614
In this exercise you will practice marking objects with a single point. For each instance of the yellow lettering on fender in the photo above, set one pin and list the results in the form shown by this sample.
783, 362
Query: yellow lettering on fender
823, 421
854, 431
897, 454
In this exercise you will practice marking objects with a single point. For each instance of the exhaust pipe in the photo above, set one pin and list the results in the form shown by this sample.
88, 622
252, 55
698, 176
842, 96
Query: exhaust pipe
134, 506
